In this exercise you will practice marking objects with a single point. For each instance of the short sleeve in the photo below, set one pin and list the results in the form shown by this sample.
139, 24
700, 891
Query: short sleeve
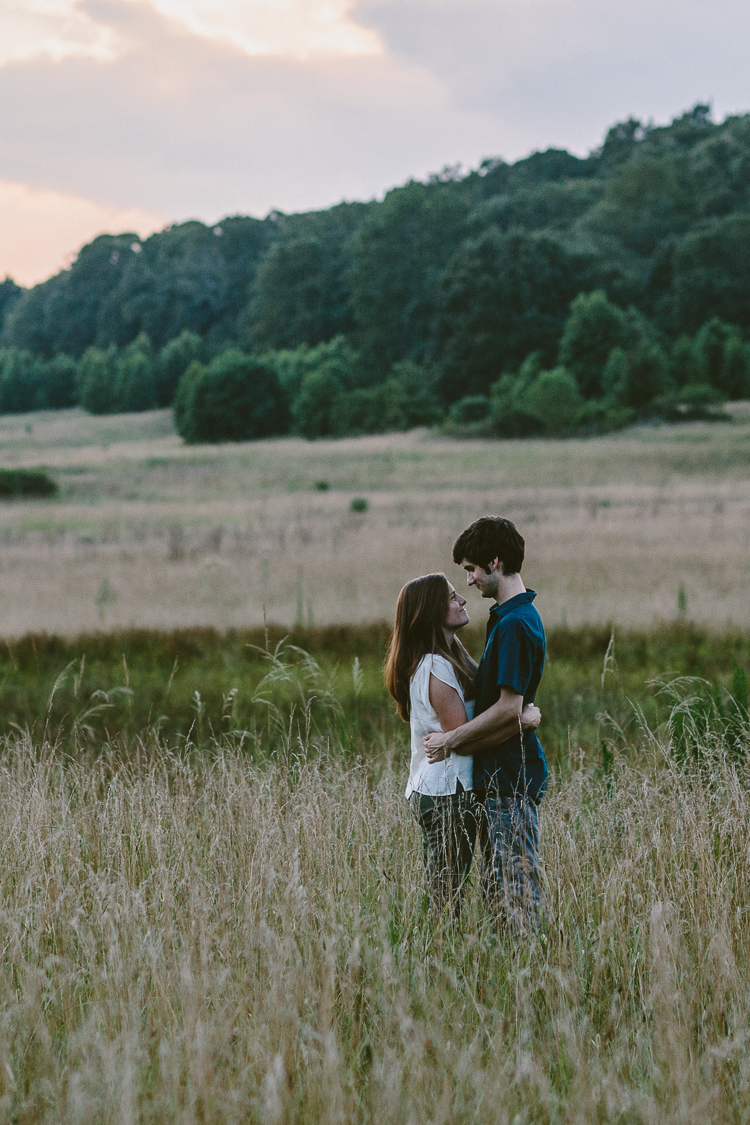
420, 684
444, 671
516, 659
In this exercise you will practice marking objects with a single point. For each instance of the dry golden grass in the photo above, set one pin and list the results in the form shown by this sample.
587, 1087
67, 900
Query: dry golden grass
150, 532
236, 931
194, 938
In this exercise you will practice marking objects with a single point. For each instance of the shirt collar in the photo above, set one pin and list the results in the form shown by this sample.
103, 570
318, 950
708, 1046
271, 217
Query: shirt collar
499, 611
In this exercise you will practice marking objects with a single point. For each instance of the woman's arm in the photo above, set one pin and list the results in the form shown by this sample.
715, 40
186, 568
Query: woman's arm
448, 704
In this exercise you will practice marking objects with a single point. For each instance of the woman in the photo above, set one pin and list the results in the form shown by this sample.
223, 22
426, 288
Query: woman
430, 675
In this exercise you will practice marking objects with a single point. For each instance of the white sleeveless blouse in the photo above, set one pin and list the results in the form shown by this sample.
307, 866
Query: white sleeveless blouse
436, 779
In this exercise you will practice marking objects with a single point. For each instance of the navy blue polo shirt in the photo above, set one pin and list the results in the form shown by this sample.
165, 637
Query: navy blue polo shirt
513, 658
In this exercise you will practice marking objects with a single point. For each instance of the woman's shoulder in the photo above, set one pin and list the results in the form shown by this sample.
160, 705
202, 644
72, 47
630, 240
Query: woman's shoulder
424, 667
433, 663
444, 670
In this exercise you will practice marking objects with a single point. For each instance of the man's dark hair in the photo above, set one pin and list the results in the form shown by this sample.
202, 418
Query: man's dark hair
488, 538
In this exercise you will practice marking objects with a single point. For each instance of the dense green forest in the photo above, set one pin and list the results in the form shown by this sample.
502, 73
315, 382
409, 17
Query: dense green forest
557, 294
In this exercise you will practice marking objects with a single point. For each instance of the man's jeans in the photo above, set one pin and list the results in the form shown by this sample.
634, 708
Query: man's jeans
511, 879
449, 828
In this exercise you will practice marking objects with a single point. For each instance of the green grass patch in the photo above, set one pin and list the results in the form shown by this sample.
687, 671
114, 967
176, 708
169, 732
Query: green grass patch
22, 484
202, 683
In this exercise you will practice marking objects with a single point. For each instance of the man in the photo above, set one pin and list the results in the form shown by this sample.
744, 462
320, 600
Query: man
510, 773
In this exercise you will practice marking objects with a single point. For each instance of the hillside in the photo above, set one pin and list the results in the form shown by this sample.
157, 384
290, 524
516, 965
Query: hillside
430, 296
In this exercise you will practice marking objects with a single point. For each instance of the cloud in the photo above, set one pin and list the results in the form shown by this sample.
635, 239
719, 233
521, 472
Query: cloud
299, 29
560, 71
40, 231
185, 126
52, 28
283, 28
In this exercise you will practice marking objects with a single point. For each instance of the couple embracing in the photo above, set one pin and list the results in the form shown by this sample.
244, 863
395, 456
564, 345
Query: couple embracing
478, 771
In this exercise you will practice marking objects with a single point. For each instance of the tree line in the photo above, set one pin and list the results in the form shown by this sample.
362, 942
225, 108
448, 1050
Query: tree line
556, 294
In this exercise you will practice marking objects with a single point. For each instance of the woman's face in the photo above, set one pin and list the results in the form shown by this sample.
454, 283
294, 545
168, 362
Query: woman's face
456, 616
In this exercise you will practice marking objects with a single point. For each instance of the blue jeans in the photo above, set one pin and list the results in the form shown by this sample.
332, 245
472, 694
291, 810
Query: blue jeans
511, 879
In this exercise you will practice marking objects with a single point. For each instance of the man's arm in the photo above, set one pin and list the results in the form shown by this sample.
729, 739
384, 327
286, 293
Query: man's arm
497, 724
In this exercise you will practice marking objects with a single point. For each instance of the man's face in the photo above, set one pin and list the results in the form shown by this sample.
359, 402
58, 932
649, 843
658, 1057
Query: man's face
476, 575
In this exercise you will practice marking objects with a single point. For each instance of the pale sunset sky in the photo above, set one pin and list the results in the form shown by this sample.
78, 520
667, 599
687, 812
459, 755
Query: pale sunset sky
131, 114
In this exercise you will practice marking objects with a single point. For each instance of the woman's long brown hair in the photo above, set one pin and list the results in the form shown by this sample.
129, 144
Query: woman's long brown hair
421, 610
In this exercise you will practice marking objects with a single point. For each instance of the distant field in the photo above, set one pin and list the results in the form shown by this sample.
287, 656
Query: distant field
149, 532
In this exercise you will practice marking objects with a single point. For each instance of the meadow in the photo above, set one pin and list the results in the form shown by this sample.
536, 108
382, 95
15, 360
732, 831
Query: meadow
229, 926
148, 532
211, 902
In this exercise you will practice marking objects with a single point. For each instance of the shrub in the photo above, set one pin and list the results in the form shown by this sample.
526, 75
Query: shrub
359, 504
21, 381
174, 359
734, 378
29, 383
136, 376
684, 362
411, 397
695, 401
509, 415
60, 382
292, 364
182, 407
637, 377
405, 400
360, 411
97, 388
604, 415
554, 400
595, 326
20, 483
235, 398
312, 408
337, 356
469, 410
322, 383
723, 360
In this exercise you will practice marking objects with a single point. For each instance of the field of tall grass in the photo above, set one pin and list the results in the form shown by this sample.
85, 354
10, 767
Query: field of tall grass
211, 898
223, 921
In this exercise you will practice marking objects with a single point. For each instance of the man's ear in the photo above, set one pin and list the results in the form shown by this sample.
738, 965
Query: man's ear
494, 565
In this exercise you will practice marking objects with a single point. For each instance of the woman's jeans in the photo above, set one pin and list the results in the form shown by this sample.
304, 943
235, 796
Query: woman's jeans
449, 829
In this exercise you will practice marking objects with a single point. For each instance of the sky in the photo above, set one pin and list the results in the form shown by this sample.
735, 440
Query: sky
133, 114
